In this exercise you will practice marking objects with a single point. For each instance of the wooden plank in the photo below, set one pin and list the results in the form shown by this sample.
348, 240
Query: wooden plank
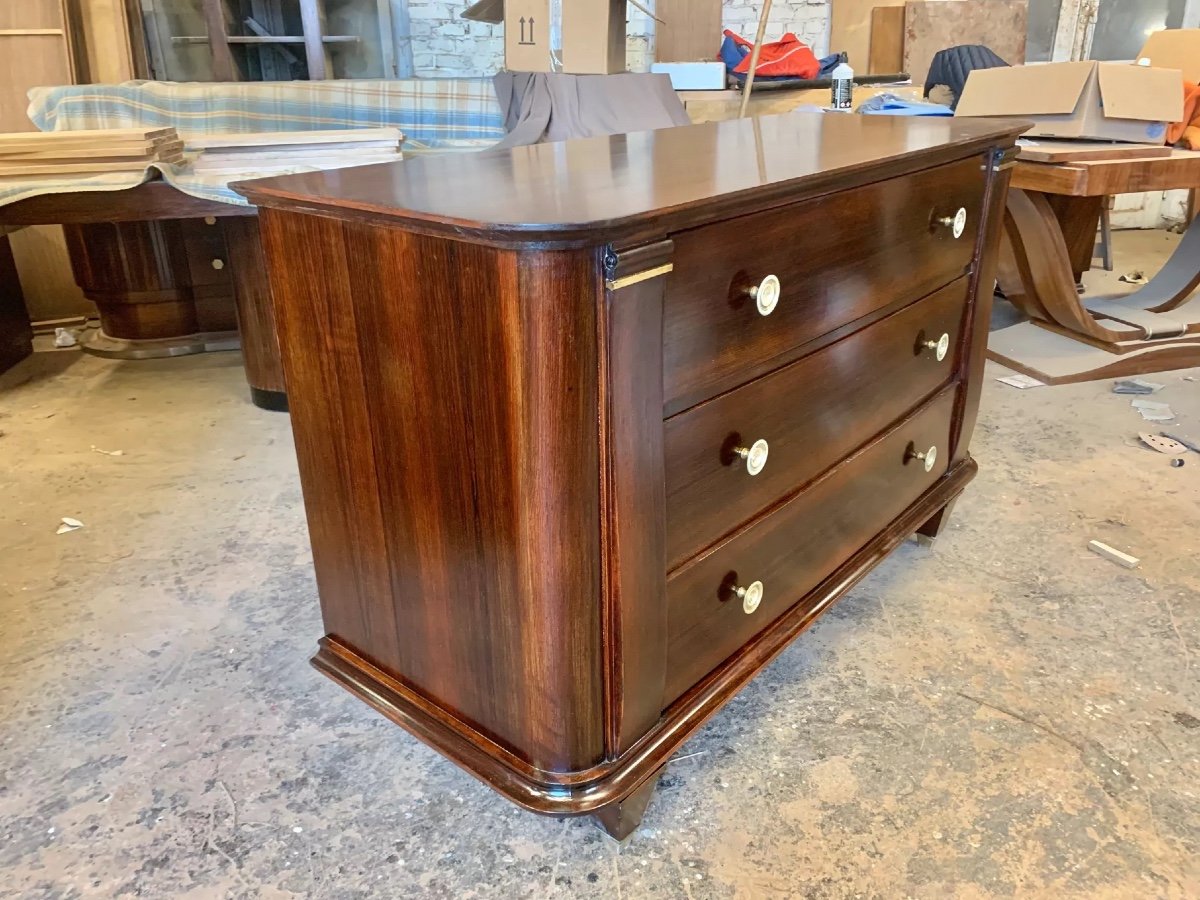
1101, 178
46, 275
216, 18
320, 63
272, 164
104, 41
1054, 358
28, 62
31, 14
887, 40
110, 154
1080, 151
92, 168
277, 138
91, 136
850, 29
930, 27
690, 30
228, 153
719, 106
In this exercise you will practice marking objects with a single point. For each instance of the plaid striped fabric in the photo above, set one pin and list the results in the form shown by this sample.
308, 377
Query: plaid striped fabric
436, 115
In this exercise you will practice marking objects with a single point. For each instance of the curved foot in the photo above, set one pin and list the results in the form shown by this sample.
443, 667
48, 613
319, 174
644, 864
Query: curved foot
621, 819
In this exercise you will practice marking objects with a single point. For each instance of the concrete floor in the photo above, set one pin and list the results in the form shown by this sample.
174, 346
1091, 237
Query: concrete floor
1004, 715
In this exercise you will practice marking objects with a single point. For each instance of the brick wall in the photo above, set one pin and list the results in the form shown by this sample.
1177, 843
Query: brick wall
445, 45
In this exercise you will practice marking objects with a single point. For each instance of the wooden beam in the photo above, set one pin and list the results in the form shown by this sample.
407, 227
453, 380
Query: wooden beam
215, 17
320, 63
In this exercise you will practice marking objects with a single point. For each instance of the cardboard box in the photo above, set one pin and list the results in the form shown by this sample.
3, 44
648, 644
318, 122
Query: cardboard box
582, 37
1094, 100
1177, 48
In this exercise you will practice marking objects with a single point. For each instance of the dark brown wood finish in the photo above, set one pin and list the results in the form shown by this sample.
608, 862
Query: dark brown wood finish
472, 464
633, 491
791, 549
1079, 219
621, 819
837, 259
478, 352
837, 399
972, 360
255, 311
16, 335
137, 274
624, 186
148, 202
146, 256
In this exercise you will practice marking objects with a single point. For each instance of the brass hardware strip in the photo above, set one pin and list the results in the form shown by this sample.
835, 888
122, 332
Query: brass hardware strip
615, 284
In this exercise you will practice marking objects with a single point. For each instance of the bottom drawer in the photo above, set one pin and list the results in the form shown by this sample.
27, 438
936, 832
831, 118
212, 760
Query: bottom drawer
791, 550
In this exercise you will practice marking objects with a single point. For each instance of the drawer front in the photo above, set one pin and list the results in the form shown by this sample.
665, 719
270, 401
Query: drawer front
207, 255
836, 258
791, 550
807, 416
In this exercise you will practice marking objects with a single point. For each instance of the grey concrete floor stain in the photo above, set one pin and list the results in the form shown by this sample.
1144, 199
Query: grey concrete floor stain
1005, 715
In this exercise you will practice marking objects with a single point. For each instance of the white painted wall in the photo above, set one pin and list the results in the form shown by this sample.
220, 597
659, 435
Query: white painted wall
445, 45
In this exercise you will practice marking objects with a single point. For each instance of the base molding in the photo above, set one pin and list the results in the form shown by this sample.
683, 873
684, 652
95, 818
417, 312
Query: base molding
101, 344
605, 787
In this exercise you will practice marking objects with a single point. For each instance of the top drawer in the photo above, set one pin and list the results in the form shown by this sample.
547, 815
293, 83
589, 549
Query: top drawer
836, 259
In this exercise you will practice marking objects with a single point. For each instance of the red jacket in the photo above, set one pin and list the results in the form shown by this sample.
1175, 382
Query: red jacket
787, 56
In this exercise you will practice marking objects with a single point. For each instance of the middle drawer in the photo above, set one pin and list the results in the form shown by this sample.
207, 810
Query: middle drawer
730, 458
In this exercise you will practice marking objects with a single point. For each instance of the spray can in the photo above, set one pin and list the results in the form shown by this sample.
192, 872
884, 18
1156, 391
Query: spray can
843, 86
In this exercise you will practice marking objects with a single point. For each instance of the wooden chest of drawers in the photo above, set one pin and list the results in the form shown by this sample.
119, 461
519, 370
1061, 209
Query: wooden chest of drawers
589, 432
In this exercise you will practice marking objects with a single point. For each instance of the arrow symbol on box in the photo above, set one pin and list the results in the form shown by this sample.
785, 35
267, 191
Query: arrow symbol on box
523, 38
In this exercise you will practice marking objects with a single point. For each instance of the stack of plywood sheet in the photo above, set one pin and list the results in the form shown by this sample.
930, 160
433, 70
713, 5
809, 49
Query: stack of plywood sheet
231, 154
29, 155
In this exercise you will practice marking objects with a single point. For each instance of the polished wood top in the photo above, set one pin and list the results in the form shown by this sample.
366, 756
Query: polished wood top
151, 201
668, 178
1103, 178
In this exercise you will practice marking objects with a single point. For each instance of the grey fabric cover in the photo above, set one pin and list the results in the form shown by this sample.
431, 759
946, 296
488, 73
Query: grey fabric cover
541, 107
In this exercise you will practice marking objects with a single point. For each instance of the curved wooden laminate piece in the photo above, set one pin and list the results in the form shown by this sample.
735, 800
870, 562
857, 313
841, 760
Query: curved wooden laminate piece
1176, 282
1040, 256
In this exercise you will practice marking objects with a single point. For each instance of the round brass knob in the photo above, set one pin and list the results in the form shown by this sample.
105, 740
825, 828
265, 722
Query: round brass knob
929, 457
218, 264
750, 596
957, 223
755, 456
940, 347
766, 295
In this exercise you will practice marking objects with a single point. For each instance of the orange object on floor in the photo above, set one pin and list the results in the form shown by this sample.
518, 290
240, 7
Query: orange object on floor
1188, 130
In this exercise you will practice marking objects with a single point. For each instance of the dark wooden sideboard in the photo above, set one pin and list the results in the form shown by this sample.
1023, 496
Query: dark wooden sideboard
589, 432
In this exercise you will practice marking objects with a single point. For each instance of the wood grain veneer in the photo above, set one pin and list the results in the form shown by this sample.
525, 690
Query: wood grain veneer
518, 522
838, 398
